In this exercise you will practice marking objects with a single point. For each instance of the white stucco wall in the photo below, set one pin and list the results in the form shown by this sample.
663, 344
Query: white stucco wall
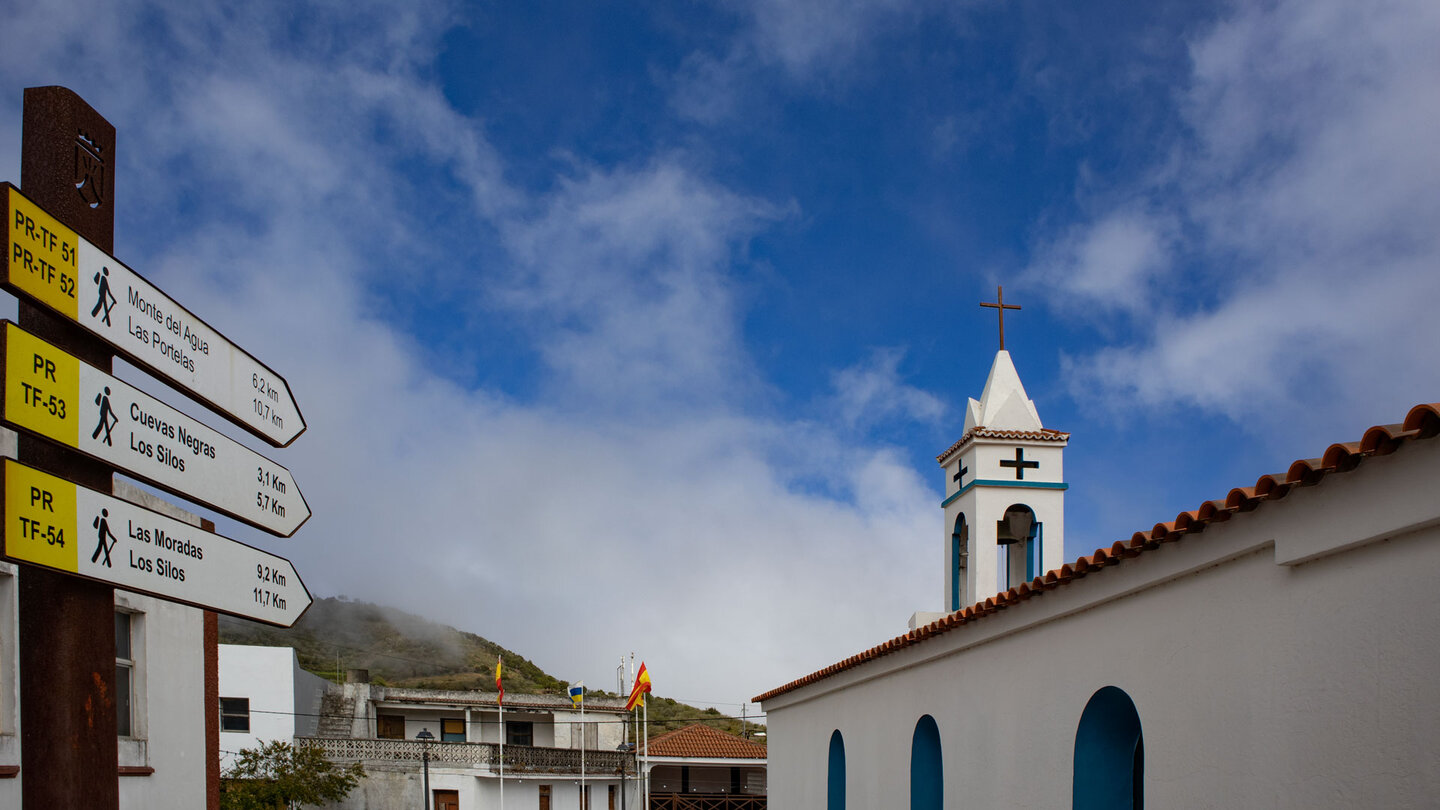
1304, 681
170, 706
284, 699
9, 681
401, 789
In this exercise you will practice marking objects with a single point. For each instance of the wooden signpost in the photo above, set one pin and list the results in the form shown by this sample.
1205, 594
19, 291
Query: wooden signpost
78, 424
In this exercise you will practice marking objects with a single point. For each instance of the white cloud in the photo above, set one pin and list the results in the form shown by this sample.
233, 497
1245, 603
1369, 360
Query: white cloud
1310, 184
871, 392
800, 41
1118, 263
639, 500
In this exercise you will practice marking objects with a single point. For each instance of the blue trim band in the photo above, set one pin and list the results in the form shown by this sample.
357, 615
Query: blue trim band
1012, 484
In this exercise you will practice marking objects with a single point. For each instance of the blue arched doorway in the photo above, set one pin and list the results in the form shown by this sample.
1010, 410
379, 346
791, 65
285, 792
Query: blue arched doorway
1109, 754
927, 774
835, 774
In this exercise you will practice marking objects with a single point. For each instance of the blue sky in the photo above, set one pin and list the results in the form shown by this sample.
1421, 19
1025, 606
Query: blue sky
638, 326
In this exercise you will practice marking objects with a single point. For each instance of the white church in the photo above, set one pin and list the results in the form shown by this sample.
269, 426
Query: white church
1277, 648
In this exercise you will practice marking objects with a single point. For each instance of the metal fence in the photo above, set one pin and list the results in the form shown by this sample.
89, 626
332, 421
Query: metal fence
682, 801
518, 758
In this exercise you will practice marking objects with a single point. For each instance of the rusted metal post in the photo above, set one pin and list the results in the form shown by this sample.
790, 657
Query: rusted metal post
68, 747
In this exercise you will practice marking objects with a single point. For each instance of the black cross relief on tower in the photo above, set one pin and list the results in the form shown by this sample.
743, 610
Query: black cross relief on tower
959, 473
1020, 464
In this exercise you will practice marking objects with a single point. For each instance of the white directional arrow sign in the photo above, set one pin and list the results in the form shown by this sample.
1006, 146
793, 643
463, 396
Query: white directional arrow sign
56, 524
53, 394
50, 263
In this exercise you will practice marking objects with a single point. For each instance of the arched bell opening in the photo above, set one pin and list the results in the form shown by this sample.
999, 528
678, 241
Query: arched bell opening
1019, 536
959, 560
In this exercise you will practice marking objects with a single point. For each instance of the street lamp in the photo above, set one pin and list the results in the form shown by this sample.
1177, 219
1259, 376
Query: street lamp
425, 737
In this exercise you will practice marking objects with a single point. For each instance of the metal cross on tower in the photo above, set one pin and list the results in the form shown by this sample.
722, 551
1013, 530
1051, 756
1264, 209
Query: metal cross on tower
1001, 306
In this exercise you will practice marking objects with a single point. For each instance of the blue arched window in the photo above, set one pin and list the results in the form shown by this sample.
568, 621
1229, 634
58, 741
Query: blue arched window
927, 775
1109, 754
835, 778
959, 549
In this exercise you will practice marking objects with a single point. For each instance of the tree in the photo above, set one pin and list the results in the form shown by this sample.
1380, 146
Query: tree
279, 775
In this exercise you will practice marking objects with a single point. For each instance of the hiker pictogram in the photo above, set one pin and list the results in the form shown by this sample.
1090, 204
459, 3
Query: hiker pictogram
106, 299
102, 545
108, 419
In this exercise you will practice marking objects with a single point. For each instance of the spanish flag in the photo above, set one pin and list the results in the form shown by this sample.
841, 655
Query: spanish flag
498, 662
637, 692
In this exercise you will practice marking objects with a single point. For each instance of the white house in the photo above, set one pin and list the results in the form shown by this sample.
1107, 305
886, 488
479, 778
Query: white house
550, 748
1276, 647
702, 767
265, 696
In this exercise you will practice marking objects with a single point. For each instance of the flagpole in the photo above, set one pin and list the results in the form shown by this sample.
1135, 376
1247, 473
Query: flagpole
500, 701
646, 707
584, 805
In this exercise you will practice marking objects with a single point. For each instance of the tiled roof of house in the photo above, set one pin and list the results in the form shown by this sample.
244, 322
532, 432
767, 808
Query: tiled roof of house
982, 432
1422, 422
700, 741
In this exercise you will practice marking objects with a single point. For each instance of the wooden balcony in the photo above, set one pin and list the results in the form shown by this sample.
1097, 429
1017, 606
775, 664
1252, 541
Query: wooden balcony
518, 758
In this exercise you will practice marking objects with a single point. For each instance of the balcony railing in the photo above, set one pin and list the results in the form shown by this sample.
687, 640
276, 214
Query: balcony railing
518, 758
682, 801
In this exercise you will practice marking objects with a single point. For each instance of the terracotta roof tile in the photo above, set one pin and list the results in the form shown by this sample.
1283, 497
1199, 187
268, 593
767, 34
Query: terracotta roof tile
699, 741
1422, 422
982, 432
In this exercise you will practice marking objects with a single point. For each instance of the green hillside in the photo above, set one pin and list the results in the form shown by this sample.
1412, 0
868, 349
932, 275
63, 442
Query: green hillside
402, 649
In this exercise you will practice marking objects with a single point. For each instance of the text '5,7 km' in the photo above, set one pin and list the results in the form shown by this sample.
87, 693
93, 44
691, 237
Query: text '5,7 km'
50, 263
53, 523
55, 395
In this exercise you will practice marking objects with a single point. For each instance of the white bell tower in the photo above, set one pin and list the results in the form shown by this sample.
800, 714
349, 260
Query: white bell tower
1004, 492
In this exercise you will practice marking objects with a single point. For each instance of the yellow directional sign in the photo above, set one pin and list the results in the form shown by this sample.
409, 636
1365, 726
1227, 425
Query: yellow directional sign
56, 524
50, 263
52, 394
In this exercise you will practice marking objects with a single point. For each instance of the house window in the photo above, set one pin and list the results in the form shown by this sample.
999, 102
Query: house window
390, 727
452, 730
612, 797
586, 735
585, 798
124, 674
234, 714
519, 732
544, 797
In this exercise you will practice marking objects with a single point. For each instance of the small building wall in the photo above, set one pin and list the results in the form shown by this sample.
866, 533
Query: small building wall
170, 708
284, 699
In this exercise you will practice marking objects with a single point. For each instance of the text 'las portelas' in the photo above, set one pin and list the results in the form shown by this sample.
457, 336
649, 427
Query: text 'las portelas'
53, 265
57, 524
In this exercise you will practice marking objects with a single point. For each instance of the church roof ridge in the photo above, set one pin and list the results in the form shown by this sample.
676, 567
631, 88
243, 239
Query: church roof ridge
1421, 422
983, 432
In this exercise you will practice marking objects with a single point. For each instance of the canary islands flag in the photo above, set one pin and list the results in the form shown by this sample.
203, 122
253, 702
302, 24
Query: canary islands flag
577, 692
642, 686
